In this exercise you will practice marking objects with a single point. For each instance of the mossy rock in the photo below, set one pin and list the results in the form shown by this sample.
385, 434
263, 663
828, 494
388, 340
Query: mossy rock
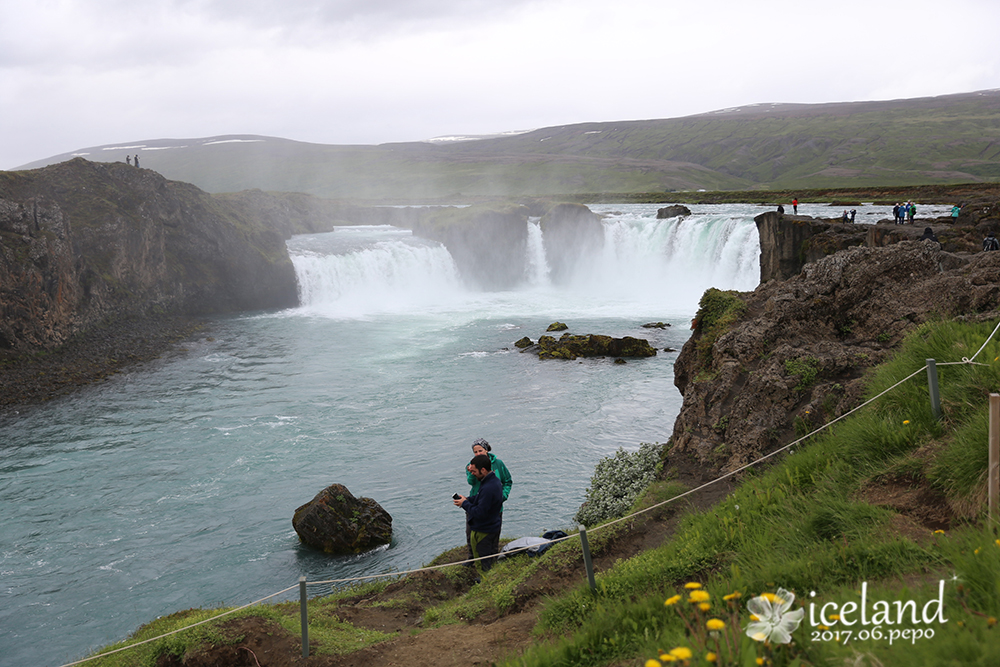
557, 326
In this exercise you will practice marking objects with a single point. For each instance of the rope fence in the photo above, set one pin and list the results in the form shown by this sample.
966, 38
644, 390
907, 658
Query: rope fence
582, 534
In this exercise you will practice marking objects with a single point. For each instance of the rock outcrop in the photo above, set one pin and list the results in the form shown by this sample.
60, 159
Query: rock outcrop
789, 242
789, 356
570, 346
487, 243
673, 211
340, 524
573, 236
86, 243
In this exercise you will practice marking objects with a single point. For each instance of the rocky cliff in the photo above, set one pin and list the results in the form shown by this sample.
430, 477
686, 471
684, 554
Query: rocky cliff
765, 365
789, 242
84, 243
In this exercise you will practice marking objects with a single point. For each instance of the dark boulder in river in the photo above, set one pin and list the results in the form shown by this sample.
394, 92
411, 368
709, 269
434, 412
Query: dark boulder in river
340, 524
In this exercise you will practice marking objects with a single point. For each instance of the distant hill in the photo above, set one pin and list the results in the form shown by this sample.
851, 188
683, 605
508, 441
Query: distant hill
946, 139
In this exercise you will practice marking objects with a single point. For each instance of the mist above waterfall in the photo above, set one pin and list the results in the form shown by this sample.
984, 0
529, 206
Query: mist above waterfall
645, 266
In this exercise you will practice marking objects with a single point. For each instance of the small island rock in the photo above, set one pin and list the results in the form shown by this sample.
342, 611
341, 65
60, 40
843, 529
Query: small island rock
675, 211
338, 523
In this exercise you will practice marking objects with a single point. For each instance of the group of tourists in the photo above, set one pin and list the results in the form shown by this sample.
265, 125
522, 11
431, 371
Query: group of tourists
490, 484
903, 213
128, 159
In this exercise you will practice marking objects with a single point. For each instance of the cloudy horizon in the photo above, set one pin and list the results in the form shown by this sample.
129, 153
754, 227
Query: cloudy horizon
83, 73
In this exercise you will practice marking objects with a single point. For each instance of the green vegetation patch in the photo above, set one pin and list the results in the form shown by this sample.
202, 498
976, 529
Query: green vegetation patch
718, 311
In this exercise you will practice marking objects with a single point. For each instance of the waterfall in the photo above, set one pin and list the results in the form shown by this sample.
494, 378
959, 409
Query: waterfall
359, 271
645, 265
538, 266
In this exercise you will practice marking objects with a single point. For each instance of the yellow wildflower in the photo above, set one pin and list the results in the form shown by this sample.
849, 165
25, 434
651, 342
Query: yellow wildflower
939, 532
772, 598
681, 653
715, 624
735, 595
991, 621
753, 617
760, 661
906, 421
704, 606
699, 596
673, 600
711, 657
692, 584
666, 657
653, 663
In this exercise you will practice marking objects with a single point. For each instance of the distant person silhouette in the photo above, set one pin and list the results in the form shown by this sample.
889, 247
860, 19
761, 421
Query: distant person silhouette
128, 160
990, 243
795, 206
137, 160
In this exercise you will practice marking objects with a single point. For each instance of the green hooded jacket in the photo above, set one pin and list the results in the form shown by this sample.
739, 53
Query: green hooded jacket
499, 469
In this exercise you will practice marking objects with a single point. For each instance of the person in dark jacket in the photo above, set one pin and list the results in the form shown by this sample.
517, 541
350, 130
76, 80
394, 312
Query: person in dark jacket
480, 446
483, 512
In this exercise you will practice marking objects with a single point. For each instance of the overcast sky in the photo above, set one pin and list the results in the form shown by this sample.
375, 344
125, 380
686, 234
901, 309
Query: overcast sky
80, 73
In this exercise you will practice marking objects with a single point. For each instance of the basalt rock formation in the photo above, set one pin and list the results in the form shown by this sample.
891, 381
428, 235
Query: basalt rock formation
573, 236
487, 243
340, 524
762, 366
85, 244
789, 242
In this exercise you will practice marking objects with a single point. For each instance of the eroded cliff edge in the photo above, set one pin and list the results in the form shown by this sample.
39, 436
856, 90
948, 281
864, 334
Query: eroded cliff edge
765, 366
84, 244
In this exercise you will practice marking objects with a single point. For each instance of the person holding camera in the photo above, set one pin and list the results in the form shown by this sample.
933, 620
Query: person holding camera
479, 447
483, 512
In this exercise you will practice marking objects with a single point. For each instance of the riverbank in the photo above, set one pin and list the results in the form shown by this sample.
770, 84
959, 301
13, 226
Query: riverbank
33, 378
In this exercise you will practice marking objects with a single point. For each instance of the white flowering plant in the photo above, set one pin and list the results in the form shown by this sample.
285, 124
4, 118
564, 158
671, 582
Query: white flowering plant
617, 482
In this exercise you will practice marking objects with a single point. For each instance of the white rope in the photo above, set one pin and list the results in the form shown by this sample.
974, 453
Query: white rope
174, 632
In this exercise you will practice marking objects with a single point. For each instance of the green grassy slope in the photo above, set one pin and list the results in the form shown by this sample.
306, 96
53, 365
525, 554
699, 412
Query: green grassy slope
948, 139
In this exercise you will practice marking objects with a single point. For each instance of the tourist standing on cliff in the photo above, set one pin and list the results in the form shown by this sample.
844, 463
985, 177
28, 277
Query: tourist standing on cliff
483, 512
990, 243
911, 211
482, 448
895, 214
795, 206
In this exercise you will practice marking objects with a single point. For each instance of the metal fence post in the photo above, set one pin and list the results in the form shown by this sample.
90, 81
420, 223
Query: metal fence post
932, 382
304, 613
993, 466
587, 562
